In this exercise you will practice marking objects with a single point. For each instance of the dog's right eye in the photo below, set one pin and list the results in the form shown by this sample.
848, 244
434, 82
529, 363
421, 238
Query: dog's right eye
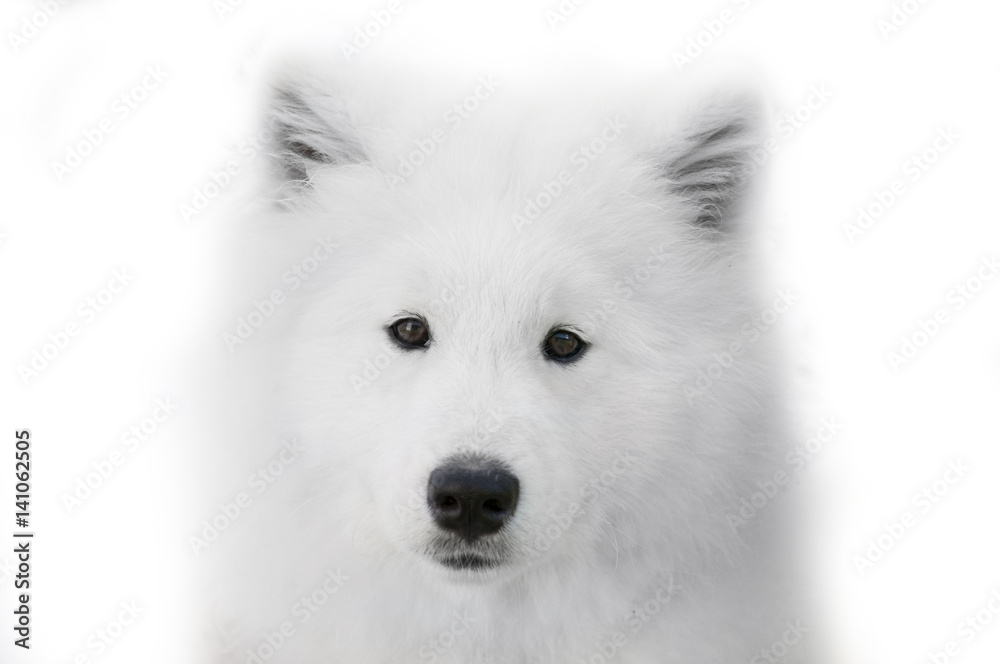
410, 333
563, 346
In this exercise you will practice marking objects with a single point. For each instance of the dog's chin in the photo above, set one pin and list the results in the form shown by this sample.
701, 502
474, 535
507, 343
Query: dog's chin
467, 565
470, 568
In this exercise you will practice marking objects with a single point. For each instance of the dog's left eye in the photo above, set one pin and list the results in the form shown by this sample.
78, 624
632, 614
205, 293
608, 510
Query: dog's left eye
410, 333
563, 346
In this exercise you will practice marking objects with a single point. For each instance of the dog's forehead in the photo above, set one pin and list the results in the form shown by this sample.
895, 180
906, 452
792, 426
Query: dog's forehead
476, 252
482, 261
520, 223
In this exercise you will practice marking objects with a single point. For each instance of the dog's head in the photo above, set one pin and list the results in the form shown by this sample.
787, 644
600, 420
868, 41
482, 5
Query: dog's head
500, 364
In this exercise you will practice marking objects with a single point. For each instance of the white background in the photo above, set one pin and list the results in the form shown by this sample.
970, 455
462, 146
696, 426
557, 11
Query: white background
61, 240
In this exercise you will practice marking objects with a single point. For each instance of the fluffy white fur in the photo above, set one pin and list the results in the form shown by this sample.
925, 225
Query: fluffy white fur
644, 252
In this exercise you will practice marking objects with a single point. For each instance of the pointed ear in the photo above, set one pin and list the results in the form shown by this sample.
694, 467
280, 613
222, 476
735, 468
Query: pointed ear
311, 128
709, 160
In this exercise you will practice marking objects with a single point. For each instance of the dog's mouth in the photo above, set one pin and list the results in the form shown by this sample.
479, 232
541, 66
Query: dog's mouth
460, 556
468, 561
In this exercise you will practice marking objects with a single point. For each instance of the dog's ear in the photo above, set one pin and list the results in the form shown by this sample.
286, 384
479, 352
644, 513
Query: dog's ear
311, 129
709, 161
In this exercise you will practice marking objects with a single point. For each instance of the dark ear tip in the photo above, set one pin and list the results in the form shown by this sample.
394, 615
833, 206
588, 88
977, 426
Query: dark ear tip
310, 125
306, 151
711, 161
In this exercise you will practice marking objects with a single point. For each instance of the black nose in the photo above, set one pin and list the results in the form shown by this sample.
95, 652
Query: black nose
472, 497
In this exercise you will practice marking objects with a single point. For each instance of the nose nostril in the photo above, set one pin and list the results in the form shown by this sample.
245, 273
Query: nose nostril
449, 505
493, 505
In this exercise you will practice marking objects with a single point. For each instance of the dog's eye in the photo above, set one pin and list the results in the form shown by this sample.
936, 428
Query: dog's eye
563, 346
410, 333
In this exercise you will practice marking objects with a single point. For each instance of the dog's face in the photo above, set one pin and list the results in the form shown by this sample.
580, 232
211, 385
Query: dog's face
485, 386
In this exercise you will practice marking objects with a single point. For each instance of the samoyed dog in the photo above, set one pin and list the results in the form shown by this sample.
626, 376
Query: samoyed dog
504, 389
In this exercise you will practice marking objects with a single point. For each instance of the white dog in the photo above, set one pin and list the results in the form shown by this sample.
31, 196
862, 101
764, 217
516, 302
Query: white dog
507, 384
